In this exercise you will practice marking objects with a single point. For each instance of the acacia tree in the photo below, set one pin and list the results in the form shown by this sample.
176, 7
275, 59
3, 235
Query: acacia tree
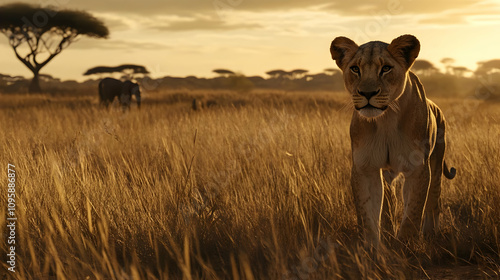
488, 67
38, 34
129, 70
424, 67
448, 62
298, 73
224, 72
331, 71
276, 74
460, 71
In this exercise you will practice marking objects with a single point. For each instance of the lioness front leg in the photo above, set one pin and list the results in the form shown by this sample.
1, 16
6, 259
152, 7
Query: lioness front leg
415, 191
388, 206
367, 188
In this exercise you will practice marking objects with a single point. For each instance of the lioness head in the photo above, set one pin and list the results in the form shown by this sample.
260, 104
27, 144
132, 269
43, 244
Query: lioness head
375, 73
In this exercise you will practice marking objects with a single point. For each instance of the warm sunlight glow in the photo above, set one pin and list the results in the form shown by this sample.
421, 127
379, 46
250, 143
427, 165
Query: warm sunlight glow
183, 38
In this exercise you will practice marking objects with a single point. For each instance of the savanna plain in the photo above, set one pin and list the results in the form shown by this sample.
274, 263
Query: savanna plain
254, 187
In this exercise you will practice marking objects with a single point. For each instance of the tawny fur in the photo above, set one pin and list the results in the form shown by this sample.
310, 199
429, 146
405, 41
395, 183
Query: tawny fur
394, 129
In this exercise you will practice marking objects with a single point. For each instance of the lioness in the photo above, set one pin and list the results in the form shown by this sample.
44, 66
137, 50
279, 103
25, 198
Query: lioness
394, 129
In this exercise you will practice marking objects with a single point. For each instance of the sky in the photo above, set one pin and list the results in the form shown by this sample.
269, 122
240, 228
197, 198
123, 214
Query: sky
194, 37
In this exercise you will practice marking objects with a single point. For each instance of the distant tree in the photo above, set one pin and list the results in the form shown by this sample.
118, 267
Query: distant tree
48, 78
132, 70
256, 78
488, 67
224, 72
289, 75
331, 71
423, 67
319, 77
488, 73
240, 83
298, 73
448, 62
129, 70
100, 70
38, 34
460, 71
277, 74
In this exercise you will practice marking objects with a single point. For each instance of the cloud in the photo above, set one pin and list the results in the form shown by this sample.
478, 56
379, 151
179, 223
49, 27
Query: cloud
173, 23
438, 20
203, 24
218, 13
481, 11
110, 44
117, 22
211, 7
186, 7
399, 7
116, 44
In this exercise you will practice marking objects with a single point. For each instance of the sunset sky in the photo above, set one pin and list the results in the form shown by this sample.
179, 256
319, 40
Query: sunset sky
193, 37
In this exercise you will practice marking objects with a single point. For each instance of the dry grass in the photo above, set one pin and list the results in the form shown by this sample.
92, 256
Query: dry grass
252, 189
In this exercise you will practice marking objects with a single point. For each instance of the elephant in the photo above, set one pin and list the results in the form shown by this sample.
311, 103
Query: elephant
110, 88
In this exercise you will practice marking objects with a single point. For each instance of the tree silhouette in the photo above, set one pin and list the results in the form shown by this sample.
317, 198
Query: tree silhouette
460, 71
448, 61
224, 72
488, 67
130, 70
39, 34
423, 66
298, 73
277, 74
331, 71
100, 70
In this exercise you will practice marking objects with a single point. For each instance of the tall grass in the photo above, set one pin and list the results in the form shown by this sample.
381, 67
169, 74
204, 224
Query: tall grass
253, 189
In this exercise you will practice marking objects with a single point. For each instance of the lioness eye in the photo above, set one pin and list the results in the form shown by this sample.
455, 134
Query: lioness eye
355, 69
386, 69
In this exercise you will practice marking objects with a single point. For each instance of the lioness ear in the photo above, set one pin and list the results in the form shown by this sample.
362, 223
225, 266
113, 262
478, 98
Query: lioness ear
342, 50
405, 48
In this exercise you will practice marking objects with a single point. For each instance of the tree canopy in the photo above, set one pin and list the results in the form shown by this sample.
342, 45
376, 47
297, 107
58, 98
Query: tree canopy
37, 34
298, 73
447, 61
486, 67
331, 71
460, 70
278, 73
423, 66
24, 17
134, 69
223, 72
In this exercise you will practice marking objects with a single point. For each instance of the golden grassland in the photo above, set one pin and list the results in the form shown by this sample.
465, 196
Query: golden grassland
255, 187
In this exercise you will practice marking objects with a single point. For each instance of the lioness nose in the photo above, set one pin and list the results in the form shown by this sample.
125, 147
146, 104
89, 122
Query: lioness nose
368, 94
